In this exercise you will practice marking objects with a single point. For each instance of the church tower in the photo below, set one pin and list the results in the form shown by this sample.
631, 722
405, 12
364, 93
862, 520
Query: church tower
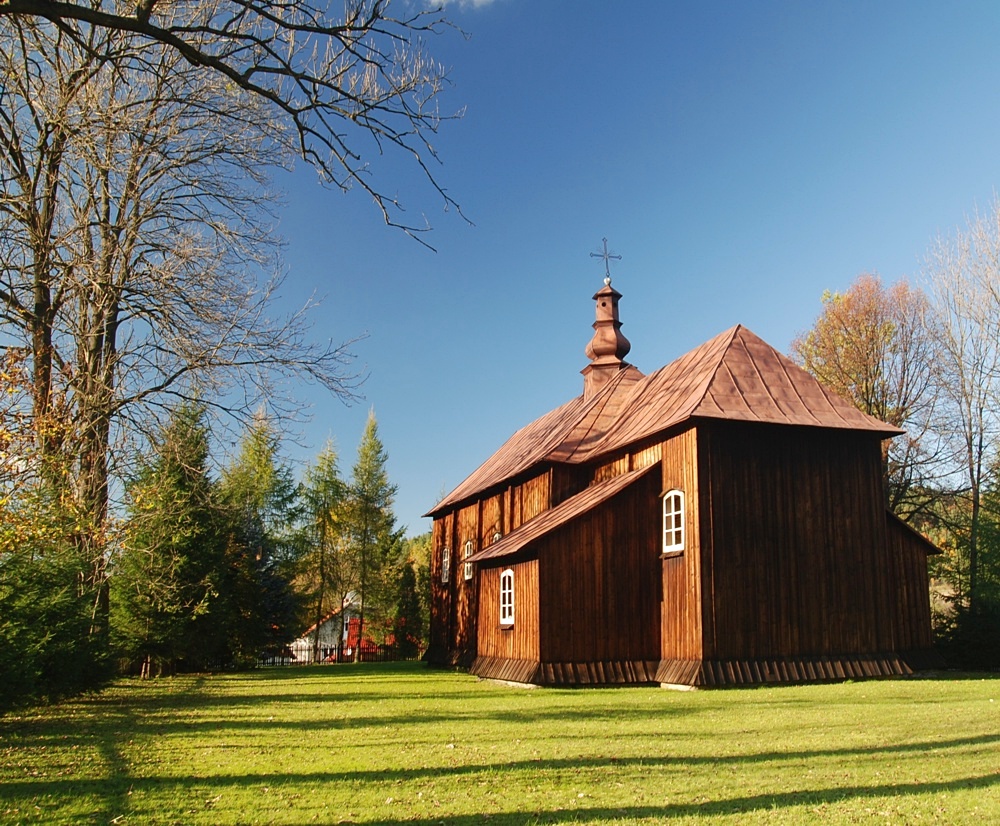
608, 347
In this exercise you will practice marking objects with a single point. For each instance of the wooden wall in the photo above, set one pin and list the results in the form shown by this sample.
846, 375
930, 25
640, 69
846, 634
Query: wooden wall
519, 642
599, 582
790, 569
611, 469
910, 599
441, 632
529, 498
797, 562
454, 605
680, 613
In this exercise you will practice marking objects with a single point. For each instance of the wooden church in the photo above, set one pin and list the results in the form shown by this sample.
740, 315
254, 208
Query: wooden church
719, 521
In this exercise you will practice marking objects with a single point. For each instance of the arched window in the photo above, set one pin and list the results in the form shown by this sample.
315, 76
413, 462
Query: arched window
445, 564
507, 598
467, 568
673, 521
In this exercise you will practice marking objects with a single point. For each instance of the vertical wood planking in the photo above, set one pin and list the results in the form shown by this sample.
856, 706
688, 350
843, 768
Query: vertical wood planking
800, 563
441, 635
680, 613
599, 585
467, 522
519, 642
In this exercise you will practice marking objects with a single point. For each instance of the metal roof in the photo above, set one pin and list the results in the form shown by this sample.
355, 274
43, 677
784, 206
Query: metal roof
735, 376
561, 514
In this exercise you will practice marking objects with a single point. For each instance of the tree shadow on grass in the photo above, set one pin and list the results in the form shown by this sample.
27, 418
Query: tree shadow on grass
812, 798
106, 722
124, 782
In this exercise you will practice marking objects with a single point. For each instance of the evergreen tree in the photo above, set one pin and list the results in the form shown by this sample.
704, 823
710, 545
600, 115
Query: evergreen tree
408, 626
327, 573
49, 646
418, 554
260, 499
168, 577
374, 537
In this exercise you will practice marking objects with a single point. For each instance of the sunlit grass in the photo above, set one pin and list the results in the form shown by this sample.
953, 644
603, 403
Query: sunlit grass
400, 743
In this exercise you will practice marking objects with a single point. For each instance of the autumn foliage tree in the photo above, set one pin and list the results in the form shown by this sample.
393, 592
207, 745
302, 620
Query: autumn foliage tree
874, 345
138, 262
929, 362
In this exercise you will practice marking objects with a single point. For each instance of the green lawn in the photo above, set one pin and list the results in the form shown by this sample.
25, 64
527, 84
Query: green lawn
400, 743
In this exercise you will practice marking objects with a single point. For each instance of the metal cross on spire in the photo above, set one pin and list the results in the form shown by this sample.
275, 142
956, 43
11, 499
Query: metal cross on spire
607, 256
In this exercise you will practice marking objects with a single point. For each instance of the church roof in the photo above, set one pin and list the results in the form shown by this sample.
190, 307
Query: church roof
549, 520
735, 376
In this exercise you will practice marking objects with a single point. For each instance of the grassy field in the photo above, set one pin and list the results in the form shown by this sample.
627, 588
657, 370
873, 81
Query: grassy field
395, 743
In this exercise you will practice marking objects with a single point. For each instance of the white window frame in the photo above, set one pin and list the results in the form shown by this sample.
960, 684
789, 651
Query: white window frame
674, 527
445, 565
507, 598
467, 569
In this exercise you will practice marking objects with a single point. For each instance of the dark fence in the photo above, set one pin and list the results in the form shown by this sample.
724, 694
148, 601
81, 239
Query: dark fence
368, 653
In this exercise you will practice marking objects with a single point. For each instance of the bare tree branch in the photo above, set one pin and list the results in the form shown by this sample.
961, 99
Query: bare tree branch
348, 88
138, 262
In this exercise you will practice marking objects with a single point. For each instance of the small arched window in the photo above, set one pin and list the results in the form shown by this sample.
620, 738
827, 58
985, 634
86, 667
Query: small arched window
673, 521
467, 568
445, 565
507, 598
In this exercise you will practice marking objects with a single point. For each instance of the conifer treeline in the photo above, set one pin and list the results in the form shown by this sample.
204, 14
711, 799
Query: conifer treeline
207, 570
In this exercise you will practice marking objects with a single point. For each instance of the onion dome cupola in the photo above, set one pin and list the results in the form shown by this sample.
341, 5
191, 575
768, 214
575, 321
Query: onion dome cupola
608, 347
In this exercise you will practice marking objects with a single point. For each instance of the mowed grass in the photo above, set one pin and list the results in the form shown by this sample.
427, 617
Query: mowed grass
400, 743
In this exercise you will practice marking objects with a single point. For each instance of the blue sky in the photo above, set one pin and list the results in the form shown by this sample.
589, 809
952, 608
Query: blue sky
741, 158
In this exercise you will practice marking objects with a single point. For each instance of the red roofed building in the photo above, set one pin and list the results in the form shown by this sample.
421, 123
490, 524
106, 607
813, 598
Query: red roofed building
719, 521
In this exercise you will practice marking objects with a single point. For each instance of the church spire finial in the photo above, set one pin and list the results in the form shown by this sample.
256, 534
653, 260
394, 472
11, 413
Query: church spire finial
607, 256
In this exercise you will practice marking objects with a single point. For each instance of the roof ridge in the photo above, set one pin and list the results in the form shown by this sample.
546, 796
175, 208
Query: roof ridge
534, 449
759, 384
590, 416
732, 332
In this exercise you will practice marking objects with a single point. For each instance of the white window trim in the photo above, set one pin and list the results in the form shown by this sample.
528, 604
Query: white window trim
445, 565
507, 598
467, 569
674, 518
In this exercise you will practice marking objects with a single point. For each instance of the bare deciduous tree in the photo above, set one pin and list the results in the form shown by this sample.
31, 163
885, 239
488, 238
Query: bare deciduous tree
347, 86
137, 261
964, 276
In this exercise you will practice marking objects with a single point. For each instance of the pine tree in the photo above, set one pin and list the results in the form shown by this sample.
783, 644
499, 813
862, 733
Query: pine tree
374, 536
260, 500
49, 646
326, 573
167, 578
408, 627
417, 551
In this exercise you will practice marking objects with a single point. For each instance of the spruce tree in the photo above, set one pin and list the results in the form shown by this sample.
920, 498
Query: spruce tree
408, 626
372, 523
327, 574
260, 499
167, 579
